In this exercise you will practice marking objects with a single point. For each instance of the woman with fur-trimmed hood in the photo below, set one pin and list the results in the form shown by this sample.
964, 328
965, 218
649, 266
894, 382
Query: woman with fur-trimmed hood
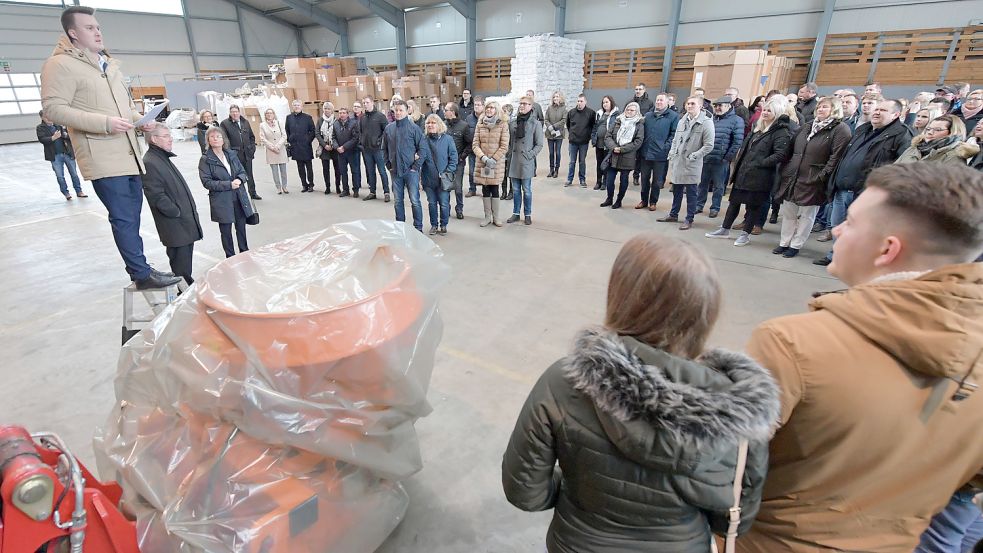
943, 140
633, 438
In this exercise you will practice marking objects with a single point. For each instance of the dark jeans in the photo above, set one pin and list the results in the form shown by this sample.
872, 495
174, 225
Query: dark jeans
305, 168
555, 147
653, 170
438, 198
578, 154
609, 182
123, 198
638, 167
489, 191
180, 258
823, 216
408, 183
375, 160
225, 229
61, 161
599, 153
714, 179
471, 161
330, 165
349, 161
750, 214
247, 164
678, 191
459, 185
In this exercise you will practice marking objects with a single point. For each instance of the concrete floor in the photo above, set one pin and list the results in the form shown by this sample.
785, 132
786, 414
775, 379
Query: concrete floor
517, 297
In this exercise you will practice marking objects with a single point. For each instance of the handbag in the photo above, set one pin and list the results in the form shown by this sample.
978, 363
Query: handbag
606, 162
254, 218
446, 179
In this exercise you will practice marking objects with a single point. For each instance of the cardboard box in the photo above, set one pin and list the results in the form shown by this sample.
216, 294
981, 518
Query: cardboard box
323, 62
455, 80
777, 74
429, 89
304, 79
412, 84
305, 94
251, 111
325, 78
296, 65
289, 94
383, 88
348, 65
715, 71
343, 96
346, 81
401, 90
391, 74
314, 110
323, 95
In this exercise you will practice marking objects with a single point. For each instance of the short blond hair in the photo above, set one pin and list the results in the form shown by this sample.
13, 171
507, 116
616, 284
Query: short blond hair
498, 108
835, 106
211, 131
664, 292
441, 126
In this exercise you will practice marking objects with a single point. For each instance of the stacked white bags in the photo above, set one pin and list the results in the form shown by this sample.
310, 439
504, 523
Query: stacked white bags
546, 64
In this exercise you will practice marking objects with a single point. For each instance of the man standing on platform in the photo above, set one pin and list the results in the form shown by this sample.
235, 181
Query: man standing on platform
82, 88
243, 142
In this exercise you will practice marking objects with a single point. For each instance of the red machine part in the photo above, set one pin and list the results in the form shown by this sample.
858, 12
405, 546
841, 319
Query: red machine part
28, 472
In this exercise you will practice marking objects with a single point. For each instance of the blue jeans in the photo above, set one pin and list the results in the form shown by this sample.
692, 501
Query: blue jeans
436, 196
623, 185
956, 529
556, 148
61, 161
714, 179
471, 161
837, 211
346, 161
522, 188
578, 154
653, 175
375, 160
408, 183
823, 216
678, 191
123, 198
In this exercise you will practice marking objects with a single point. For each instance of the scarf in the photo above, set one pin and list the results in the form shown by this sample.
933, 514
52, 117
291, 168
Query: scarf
520, 124
491, 121
627, 131
818, 125
926, 146
329, 131
967, 113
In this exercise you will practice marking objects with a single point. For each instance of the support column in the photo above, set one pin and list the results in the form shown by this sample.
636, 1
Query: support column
191, 38
469, 10
242, 36
560, 17
821, 32
676, 7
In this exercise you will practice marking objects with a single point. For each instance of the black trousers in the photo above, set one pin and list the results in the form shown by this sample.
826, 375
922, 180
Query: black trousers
305, 168
247, 164
329, 165
180, 258
750, 214
599, 153
225, 229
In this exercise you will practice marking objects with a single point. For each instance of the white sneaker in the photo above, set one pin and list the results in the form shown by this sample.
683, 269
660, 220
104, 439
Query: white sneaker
719, 233
743, 240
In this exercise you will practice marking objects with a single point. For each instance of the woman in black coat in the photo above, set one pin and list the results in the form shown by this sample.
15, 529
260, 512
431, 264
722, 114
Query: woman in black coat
301, 133
205, 121
756, 169
815, 151
224, 176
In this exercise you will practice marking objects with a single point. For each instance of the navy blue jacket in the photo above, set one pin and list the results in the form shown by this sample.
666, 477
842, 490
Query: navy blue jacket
218, 180
659, 130
402, 140
728, 135
442, 159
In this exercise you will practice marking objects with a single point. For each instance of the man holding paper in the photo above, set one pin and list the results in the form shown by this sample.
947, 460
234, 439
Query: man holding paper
82, 88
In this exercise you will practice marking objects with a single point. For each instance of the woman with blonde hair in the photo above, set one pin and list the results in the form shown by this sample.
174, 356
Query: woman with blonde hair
437, 173
273, 137
756, 168
816, 149
490, 146
555, 129
924, 116
637, 439
414, 114
206, 120
944, 141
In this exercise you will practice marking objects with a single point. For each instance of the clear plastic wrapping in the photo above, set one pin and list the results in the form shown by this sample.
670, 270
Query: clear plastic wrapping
272, 407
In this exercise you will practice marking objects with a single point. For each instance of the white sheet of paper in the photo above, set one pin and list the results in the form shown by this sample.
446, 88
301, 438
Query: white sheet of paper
152, 114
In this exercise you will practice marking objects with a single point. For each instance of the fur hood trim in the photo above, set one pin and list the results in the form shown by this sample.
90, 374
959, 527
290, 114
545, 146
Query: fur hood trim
603, 367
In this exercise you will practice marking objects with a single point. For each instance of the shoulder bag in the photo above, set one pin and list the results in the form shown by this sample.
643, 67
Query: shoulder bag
446, 179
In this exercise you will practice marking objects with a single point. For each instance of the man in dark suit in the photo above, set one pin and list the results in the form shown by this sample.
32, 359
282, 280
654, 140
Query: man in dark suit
58, 150
171, 203
243, 142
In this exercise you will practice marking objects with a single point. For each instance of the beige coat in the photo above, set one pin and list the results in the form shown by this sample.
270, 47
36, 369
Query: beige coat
875, 433
492, 142
74, 93
958, 152
273, 135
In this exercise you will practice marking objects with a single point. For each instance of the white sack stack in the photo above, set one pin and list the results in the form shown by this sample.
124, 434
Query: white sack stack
545, 64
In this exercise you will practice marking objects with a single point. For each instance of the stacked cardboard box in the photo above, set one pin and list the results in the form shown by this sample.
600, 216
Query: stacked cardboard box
315, 79
777, 74
753, 72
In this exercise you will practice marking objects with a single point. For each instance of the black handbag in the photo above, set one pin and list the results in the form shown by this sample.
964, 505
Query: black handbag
606, 162
254, 218
446, 179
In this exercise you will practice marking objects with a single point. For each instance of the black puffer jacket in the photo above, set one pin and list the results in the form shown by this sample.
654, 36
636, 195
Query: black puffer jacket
757, 163
646, 444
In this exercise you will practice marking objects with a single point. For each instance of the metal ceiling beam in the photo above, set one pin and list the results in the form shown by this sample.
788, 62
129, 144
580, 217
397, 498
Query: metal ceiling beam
469, 9
560, 17
191, 36
395, 17
329, 21
674, 9
261, 13
821, 32
242, 35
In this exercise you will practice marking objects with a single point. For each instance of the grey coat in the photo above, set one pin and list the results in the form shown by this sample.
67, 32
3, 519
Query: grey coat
635, 450
693, 141
524, 151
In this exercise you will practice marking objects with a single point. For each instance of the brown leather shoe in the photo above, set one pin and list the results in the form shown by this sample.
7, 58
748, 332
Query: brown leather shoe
641, 205
756, 230
652, 207
686, 225
668, 219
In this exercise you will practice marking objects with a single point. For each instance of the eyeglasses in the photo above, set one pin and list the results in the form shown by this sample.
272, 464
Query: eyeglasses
936, 129
974, 99
524, 104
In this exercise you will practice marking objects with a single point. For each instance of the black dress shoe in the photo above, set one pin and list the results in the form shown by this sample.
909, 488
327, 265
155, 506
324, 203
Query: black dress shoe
822, 261
779, 250
388, 199
344, 194
156, 281
256, 197
162, 274
369, 196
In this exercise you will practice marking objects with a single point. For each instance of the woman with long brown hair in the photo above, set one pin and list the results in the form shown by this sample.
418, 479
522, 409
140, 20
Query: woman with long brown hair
607, 116
634, 439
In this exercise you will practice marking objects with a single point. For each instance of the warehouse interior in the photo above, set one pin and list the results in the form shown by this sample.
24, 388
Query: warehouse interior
517, 295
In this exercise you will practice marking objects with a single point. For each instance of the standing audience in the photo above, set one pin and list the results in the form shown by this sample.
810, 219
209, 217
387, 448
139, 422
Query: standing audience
944, 140
623, 143
473, 120
345, 140
692, 142
555, 128
924, 116
206, 120
971, 111
301, 132
438, 169
274, 141
806, 102
466, 104
489, 146
660, 128
242, 141
460, 133
526, 134
580, 126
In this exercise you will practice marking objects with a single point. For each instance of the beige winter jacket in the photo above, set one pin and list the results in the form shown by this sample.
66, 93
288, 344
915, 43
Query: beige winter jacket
75, 93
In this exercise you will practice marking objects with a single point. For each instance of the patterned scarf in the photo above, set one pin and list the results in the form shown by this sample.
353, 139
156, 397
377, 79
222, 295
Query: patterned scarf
926, 146
818, 125
627, 131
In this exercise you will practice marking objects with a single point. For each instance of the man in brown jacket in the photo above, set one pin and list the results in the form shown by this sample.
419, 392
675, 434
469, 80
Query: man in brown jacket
82, 88
881, 412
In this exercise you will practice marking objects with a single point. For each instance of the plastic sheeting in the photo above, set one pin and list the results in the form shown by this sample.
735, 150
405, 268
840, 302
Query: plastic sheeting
271, 408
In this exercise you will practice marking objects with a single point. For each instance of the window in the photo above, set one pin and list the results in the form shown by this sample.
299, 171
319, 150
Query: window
156, 6
20, 93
